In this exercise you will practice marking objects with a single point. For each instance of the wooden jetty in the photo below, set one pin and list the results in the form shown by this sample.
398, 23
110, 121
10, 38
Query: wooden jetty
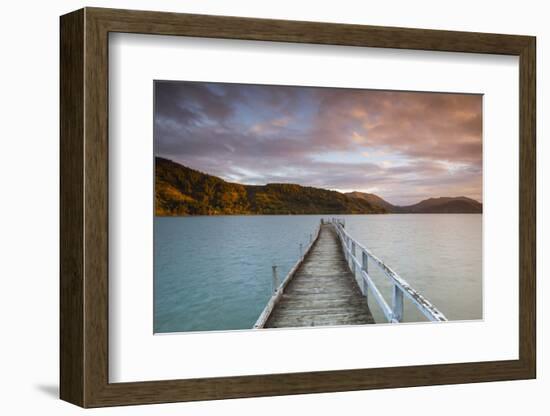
330, 285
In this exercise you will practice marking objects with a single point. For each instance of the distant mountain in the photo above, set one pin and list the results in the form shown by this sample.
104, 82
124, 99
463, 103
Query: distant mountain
374, 200
443, 205
181, 191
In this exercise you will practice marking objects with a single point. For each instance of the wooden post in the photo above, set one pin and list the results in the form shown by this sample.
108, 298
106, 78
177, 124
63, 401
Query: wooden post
353, 257
397, 312
365, 268
310, 238
275, 281
346, 248
301, 250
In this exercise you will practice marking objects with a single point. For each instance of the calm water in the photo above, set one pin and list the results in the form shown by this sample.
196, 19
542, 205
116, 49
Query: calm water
214, 273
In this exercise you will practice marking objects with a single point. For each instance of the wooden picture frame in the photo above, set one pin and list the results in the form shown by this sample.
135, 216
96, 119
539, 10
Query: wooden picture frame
84, 207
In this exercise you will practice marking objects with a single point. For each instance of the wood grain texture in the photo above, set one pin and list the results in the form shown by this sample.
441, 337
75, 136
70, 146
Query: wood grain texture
323, 291
71, 315
96, 218
226, 27
527, 209
84, 207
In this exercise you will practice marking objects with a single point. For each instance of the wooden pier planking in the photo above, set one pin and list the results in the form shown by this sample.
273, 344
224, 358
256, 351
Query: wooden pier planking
323, 291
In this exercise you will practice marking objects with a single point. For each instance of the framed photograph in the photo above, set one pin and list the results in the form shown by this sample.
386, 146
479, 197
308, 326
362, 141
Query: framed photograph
255, 207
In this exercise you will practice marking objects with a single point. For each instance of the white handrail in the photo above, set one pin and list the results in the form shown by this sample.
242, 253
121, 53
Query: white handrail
400, 285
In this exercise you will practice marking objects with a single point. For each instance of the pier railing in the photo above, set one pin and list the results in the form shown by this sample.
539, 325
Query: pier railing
279, 287
358, 257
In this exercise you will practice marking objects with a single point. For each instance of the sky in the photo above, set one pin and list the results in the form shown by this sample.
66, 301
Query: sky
402, 146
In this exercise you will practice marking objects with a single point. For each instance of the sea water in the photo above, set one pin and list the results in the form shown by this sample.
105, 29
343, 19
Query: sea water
215, 273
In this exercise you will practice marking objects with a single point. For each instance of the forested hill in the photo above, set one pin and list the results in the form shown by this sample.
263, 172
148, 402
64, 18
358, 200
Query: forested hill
443, 205
181, 191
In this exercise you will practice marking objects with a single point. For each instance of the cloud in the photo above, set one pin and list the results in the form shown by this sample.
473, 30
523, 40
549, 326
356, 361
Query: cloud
271, 126
408, 145
421, 125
